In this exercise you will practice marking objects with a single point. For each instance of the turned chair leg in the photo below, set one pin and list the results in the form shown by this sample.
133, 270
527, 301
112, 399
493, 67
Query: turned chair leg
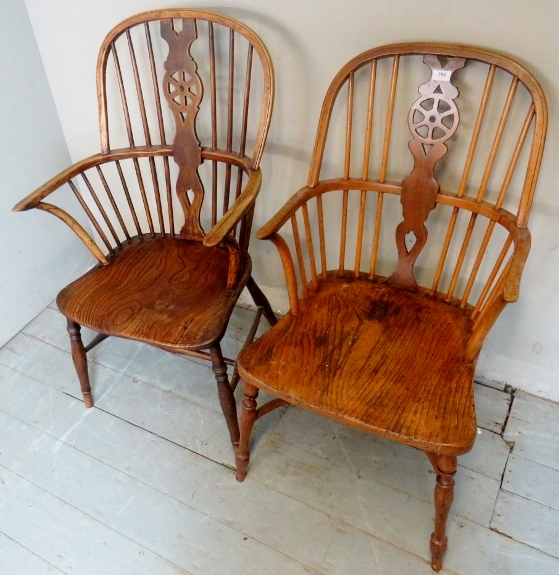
248, 417
226, 397
80, 360
445, 468
261, 301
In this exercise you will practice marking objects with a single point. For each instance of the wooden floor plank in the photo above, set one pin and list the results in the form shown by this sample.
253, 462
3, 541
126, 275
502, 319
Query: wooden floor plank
66, 537
533, 427
532, 481
527, 521
492, 408
39, 360
15, 558
393, 464
182, 377
188, 538
392, 515
50, 326
335, 441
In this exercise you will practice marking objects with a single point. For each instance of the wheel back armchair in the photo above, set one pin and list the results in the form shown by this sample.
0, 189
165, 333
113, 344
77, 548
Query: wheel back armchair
400, 253
185, 99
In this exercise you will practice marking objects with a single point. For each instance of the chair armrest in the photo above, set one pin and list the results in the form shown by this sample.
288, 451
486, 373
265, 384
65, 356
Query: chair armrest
234, 214
505, 290
34, 200
522, 242
288, 270
65, 176
290, 207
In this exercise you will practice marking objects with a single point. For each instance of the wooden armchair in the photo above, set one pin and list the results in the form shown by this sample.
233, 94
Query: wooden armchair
161, 278
383, 335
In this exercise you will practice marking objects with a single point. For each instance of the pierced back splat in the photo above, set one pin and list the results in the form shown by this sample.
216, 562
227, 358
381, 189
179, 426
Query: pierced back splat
183, 91
432, 120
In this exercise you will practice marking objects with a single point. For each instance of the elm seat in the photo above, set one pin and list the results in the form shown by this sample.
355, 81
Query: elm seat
349, 363
165, 291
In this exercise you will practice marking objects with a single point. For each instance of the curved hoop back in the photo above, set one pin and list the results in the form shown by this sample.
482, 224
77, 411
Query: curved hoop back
136, 39
465, 180
394, 57
216, 77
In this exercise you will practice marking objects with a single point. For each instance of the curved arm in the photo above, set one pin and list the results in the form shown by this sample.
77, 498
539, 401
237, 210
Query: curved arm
234, 261
234, 214
505, 291
289, 208
76, 228
522, 241
289, 271
65, 176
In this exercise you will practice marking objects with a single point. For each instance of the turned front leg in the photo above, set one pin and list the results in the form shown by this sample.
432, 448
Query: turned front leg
445, 468
248, 417
79, 358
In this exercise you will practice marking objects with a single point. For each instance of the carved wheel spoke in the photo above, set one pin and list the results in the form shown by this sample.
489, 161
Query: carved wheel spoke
431, 118
183, 93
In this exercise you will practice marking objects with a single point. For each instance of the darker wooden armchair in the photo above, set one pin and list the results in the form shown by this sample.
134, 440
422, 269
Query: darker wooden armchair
389, 311
172, 263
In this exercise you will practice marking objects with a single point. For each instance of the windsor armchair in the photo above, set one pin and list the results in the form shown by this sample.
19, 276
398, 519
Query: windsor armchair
161, 278
388, 312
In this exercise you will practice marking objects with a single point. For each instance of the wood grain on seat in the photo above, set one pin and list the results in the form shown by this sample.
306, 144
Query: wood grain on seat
166, 291
387, 361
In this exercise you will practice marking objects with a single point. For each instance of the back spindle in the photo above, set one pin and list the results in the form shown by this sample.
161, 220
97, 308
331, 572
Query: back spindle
91, 217
299, 252
112, 201
310, 247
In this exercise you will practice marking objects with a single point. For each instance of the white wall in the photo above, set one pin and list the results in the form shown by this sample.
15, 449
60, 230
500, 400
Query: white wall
38, 256
309, 41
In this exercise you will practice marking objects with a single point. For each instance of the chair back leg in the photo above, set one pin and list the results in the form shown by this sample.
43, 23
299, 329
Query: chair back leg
225, 392
261, 301
80, 360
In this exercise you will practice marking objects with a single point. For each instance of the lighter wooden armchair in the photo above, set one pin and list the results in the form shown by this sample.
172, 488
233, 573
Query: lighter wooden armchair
161, 278
363, 343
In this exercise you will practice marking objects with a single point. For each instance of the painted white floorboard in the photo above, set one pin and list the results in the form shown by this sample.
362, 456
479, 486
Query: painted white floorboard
191, 380
189, 424
181, 376
533, 427
39, 360
15, 559
188, 538
392, 515
474, 550
527, 521
50, 326
488, 455
492, 408
532, 481
68, 538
